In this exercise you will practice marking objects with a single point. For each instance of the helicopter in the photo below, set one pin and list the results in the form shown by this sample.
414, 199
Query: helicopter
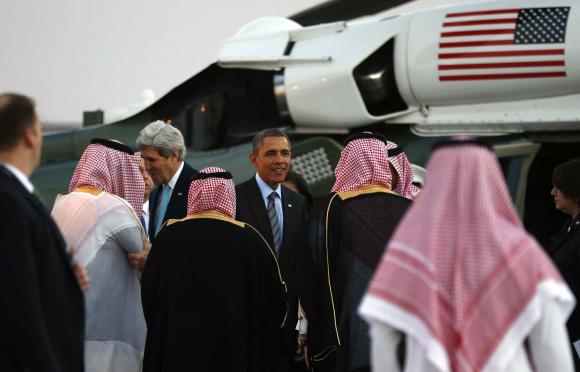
416, 73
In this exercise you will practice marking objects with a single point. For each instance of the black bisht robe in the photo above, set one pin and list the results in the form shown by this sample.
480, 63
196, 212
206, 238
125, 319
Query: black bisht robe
359, 226
213, 298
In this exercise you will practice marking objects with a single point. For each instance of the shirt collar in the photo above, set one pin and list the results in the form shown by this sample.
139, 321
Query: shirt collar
266, 190
175, 177
20, 177
145, 208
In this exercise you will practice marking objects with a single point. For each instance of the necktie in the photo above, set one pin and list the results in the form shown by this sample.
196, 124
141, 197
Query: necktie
142, 219
273, 215
162, 207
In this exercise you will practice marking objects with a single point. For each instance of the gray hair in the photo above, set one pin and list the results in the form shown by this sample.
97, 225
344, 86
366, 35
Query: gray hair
270, 132
165, 138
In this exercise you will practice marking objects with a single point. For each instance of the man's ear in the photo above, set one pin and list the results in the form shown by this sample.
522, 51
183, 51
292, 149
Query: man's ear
174, 156
253, 158
30, 137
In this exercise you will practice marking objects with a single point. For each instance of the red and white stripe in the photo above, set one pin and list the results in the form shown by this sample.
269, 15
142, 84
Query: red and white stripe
113, 171
405, 172
363, 162
480, 46
460, 269
216, 194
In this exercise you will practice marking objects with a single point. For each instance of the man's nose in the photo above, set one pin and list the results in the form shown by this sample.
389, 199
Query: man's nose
279, 158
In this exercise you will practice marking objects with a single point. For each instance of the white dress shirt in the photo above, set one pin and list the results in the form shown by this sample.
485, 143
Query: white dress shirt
173, 181
145, 215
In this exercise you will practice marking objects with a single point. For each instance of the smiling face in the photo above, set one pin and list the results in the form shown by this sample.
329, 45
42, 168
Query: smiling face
564, 203
272, 160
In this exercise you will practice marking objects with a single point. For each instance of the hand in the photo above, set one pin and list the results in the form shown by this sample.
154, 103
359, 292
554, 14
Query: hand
138, 260
302, 350
146, 243
79, 271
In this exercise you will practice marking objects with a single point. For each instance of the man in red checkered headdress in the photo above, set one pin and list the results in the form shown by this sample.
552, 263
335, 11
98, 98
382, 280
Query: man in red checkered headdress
213, 294
462, 286
402, 172
100, 218
347, 233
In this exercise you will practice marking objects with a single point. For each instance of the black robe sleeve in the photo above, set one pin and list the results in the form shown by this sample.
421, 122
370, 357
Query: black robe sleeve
314, 282
345, 239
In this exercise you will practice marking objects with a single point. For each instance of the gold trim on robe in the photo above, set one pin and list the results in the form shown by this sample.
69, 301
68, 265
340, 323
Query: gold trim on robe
88, 189
369, 189
213, 214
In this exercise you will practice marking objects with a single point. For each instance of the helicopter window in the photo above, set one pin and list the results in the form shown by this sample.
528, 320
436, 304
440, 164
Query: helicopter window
511, 168
515, 160
375, 79
201, 122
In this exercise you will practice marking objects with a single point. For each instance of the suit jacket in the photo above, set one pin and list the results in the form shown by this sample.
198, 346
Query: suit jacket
177, 207
565, 251
250, 208
41, 304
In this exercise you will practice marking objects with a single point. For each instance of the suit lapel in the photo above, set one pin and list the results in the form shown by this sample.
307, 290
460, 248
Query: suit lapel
256, 204
153, 200
565, 234
177, 206
178, 196
288, 211
33, 200
40, 209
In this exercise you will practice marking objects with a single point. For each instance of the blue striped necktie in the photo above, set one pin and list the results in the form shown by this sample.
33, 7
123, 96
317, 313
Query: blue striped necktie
273, 215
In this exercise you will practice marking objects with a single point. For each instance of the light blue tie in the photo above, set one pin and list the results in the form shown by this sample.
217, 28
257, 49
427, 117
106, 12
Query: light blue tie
162, 208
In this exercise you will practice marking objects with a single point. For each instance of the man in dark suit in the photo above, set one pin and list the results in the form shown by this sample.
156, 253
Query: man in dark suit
41, 303
565, 244
162, 148
279, 214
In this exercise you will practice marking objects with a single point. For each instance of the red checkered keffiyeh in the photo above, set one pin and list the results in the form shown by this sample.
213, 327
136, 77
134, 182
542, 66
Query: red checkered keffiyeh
363, 162
405, 172
461, 275
112, 171
213, 193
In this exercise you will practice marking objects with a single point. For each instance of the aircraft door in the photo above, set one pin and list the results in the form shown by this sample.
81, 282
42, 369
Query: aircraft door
515, 160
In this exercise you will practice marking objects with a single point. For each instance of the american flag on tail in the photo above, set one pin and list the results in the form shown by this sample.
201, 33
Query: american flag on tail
503, 44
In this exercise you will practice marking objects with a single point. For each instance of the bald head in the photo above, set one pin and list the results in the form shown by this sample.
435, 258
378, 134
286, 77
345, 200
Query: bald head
17, 113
